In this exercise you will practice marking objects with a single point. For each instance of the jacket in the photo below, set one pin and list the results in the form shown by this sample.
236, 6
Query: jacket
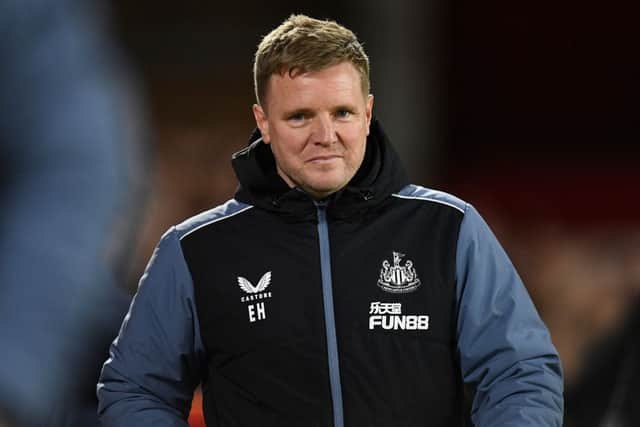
374, 307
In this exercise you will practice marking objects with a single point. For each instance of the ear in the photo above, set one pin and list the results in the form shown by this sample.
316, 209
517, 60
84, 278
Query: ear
369, 111
261, 122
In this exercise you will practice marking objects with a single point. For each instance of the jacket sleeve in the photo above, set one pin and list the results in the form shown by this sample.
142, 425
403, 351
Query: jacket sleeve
155, 362
506, 353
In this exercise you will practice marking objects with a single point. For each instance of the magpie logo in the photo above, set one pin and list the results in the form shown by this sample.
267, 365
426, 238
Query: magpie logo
398, 278
256, 293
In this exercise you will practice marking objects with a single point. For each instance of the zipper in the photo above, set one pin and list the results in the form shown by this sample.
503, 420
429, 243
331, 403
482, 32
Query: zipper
329, 317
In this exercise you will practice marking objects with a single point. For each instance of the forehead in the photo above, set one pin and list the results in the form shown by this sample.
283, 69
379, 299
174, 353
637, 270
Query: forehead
339, 83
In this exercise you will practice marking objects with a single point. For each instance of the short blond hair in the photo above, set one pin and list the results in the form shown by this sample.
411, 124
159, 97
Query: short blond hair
301, 44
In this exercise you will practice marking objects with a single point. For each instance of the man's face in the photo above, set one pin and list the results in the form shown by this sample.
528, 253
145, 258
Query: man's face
317, 124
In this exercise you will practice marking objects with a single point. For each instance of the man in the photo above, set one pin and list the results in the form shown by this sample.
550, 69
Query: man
68, 134
329, 291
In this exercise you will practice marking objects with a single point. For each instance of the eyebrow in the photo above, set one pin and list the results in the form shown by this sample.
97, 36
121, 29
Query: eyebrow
305, 111
345, 107
310, 112
298, 111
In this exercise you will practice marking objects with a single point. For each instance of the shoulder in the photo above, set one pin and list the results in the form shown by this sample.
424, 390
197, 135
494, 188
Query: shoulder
220, 213
428, 195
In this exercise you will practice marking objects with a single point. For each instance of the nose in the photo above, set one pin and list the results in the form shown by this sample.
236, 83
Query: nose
324, 130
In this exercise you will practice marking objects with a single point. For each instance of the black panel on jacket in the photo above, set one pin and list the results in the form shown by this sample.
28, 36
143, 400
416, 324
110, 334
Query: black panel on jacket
270, 368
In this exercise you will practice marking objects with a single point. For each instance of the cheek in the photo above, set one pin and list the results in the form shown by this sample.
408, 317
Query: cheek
357, 152
357, 140
359, 156
287, 145
355, 131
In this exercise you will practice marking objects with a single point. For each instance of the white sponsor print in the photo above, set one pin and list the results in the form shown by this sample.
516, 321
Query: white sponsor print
256, 311
389, 316
385, 308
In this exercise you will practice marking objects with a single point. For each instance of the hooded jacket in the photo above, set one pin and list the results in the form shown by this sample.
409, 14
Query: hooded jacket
373, 307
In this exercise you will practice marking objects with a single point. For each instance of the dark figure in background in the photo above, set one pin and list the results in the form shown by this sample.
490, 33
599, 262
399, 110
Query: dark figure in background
277, 301
607, 393
68, 127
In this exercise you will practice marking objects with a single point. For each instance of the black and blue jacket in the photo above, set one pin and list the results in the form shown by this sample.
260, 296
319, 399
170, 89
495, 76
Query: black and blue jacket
379, 306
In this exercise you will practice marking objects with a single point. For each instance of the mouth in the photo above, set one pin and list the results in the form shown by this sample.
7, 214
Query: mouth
319, 160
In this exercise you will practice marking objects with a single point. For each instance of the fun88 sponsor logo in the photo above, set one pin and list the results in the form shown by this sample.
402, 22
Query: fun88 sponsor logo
389, 316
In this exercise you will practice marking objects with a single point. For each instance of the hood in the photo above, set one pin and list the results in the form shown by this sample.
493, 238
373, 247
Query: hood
380, 175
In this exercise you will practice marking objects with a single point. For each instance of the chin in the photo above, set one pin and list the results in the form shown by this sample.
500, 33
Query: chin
327, 180
322, 192
324, 183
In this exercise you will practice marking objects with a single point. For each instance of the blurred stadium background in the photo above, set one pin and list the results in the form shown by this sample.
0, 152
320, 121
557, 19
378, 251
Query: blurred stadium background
527, 110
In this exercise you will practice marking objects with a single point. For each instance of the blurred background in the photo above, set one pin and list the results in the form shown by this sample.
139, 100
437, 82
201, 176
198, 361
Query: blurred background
527, 110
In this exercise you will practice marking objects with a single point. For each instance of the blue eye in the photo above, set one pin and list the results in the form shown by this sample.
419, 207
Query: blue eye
343, 114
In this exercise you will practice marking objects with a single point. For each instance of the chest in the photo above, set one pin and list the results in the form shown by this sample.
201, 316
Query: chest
261, 282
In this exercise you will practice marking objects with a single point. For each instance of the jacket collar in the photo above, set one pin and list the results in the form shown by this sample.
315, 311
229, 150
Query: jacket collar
380, 175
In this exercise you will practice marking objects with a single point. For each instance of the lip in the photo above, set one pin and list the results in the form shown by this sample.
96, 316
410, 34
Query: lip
324, 159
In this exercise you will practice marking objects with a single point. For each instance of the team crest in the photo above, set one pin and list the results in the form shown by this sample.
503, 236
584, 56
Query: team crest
398, 278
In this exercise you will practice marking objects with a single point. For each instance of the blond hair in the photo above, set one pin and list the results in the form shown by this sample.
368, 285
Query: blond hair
301, 44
